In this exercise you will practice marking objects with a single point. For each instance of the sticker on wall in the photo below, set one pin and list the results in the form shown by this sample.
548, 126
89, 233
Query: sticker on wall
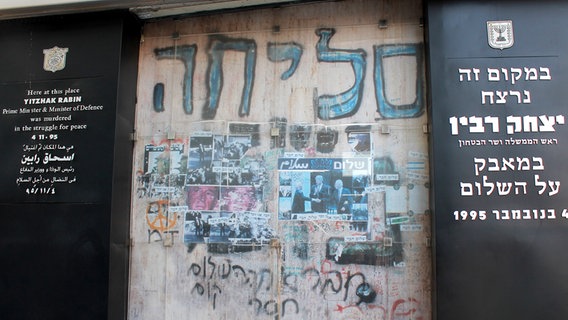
359, 142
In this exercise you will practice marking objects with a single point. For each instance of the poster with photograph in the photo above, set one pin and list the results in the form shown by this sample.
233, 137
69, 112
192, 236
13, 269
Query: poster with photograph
228, 232
360, 142
165, 168
230, 147
203, 197
200, 151
154, 159
325, 188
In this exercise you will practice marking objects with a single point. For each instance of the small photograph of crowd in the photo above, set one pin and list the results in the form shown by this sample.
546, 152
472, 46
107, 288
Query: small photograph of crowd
240, 173
230, 147
218, 160
334, 189
236, 228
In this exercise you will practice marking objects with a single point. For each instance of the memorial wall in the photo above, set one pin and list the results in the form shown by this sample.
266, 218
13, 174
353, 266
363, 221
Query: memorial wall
322, 160
281, 165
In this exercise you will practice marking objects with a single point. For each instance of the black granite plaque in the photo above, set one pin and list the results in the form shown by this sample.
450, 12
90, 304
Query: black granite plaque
67, 94
497, 75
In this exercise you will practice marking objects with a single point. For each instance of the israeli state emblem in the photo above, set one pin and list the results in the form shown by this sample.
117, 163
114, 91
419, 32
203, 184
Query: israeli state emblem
500, 34
54, 59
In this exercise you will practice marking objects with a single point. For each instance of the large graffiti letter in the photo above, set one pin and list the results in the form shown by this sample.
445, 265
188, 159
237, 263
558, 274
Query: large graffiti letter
386, 107
217, 47
346, 103
291, 300
186, 54
159, 97
278, 52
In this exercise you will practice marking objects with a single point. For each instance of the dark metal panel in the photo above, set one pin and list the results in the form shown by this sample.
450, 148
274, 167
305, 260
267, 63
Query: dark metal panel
504, 266
64, 127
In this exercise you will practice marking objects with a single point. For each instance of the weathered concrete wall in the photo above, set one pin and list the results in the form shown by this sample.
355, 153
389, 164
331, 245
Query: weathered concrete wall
237, 114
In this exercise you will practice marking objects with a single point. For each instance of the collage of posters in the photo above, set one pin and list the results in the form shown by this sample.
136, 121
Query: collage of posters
213, 184
217, 191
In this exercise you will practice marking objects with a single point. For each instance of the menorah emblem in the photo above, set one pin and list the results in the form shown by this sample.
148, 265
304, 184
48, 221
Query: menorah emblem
54, 59
500, 29
500, 34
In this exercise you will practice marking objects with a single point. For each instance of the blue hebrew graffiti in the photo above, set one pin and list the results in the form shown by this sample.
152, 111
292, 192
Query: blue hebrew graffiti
278, 52
384, 107
186, 54
159, 97
217, 47
346, 103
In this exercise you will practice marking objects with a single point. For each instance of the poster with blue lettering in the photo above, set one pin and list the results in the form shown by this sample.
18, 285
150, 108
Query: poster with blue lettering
325, 189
